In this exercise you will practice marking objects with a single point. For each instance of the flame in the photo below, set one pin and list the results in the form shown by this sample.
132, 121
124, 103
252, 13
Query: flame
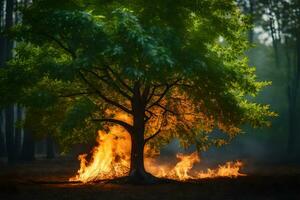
183, 170
111, 159
229, 169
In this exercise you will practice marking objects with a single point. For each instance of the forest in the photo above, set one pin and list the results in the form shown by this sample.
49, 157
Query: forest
139, 99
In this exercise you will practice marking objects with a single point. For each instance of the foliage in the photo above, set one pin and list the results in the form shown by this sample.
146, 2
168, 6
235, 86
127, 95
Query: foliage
75, 60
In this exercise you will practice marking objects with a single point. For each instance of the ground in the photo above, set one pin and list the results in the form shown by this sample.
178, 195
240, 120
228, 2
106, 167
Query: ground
44, 179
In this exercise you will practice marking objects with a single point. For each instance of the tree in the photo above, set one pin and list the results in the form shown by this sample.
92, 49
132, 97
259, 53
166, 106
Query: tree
80, 63
248, 7
28, 147
11, 135
281, 20
9, 110
2, 137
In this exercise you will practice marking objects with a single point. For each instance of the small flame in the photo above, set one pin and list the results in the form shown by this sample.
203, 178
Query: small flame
185, 165
230, 169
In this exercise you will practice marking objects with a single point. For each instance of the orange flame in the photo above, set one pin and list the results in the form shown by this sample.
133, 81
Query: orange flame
111, 159
183, 170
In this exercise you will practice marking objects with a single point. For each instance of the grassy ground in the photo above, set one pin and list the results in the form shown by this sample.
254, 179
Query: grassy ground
27, 181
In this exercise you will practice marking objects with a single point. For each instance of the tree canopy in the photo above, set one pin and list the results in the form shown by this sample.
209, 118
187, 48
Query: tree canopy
78, 63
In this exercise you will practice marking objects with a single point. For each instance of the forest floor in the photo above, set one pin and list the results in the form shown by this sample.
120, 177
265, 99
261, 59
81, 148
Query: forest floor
43, 180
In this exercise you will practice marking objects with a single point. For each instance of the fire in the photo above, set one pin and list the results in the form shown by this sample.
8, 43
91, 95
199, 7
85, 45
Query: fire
185, 165
183, 170
230, 169
111, 159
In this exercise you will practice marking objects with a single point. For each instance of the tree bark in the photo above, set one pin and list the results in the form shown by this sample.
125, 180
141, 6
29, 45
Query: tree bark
2, 114
292, 127
2, 135
8, 24
18, 131
9, 130
293, 136
251, 13
9, 111
137, 173
1, 37
49, 147
28, 148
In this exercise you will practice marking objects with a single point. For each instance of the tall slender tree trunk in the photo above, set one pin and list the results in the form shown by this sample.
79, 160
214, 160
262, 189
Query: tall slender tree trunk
2, 114
293, 136
18, 130
28, 147
50, 147
1, 37
9, 130
9, 111
8, 44
2, 134
252, 4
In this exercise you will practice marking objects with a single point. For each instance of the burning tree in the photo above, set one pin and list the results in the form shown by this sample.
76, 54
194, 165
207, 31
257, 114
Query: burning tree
177, 69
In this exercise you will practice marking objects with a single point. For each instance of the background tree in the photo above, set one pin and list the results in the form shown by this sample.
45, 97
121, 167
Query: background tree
177, 69
13, 141
9, 110
281, 20
2, 137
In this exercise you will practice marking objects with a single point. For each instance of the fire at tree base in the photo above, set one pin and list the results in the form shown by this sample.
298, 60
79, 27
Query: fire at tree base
110, 159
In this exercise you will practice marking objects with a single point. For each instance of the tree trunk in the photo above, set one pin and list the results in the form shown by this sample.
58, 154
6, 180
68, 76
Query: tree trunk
50, 147
251, 13
9, 111
2, 59
8, 24
18, 130
293, 136
28, 148
137, 173
2, 135
9, 130
1, 36
292, 124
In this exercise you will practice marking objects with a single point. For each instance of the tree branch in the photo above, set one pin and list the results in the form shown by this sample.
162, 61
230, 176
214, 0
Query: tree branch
109, 101
110, 84
152, 136
151, 114
128, 127
168, 87
167, 110
119, 79
75, 94
60, 44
